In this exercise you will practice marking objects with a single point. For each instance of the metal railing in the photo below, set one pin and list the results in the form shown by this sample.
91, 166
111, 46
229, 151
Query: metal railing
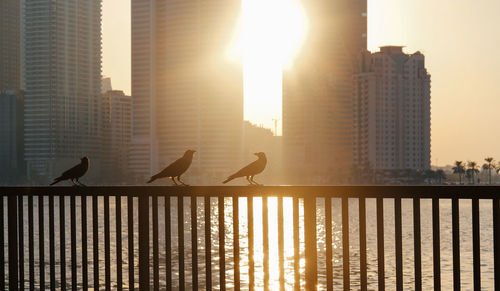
143, 201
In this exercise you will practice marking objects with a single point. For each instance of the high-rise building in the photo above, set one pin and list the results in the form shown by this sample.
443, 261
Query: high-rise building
317, 93
392, 111
10, 45
186, 92
106, 85
11, 137
116, 133
11, 97
63, 84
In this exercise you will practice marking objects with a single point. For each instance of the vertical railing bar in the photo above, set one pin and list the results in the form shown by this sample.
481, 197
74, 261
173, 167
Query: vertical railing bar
62, 242
156, 271
85, 263
310, 242
417, 244
119, 260
95, 240
436, 253
130, 240
281, 244
456, 243
194, 242
73, 243
251, 262
380, 244
52, 250
236, 243
107, 249
328, 241
41, 247
168, 250
180, 231
20, 220
13, 243
476, 251
496, 241
222, 248
208, 244
2, 245
398, 243
31, 244
143, 211
265, 241
362, 244
345, 243
296, 244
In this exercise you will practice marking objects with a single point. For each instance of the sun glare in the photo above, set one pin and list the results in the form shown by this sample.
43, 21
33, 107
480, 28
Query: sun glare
272, 32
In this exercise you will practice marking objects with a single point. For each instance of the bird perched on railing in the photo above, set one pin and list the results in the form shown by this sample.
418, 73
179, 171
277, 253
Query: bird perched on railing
74, 173
250, 170
176, 169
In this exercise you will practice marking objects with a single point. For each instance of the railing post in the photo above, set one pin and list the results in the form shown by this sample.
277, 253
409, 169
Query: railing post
12, 229
143, 241
310, 242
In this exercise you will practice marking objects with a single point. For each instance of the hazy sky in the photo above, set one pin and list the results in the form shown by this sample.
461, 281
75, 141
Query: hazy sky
459, 38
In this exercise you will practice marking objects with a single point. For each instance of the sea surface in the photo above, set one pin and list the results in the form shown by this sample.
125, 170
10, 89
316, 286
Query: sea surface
486, 232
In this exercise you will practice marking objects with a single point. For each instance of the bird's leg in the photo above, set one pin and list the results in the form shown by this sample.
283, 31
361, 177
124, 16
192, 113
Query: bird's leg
73, 181
80, 183
251, 178
249, 181
179, 179
174, 181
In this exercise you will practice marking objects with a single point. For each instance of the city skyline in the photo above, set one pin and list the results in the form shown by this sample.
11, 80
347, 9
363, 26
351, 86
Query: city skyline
447, 42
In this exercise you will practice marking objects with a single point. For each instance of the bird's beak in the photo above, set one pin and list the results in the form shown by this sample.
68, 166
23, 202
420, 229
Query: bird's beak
256, 154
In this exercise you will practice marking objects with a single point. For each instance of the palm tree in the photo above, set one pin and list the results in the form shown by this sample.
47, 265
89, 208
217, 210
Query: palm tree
473, 169
459, 169
489, 165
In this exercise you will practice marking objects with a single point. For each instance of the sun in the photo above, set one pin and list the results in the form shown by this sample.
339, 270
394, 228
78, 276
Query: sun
271, 34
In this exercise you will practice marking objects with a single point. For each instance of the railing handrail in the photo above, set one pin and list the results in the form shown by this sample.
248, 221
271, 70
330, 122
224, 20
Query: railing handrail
364, 191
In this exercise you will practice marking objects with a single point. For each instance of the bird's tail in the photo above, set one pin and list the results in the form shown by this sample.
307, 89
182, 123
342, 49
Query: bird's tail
228, 179
56, 180
151, 179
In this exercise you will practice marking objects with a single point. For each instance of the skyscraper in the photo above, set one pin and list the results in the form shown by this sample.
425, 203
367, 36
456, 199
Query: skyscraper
63, 84
317, 93
392, 111
186, 93
11, 97
116, 133
10, 45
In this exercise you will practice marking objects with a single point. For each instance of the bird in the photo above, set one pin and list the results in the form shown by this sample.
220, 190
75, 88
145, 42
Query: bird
74, 173
251, 169
176, 169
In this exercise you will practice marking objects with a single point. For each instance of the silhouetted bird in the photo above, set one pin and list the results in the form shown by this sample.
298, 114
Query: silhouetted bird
176, 169
74, 173
251, 170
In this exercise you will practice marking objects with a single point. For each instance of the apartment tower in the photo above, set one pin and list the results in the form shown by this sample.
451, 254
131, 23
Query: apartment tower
186, 92
317, 93
63, 84
392, 111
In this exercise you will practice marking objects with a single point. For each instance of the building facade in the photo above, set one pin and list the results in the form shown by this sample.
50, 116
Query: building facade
11, 96
63, 84
186, 93
116, 133
11, 137
318, 93
392, 111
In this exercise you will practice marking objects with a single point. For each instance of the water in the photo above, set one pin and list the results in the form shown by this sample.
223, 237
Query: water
487, 268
